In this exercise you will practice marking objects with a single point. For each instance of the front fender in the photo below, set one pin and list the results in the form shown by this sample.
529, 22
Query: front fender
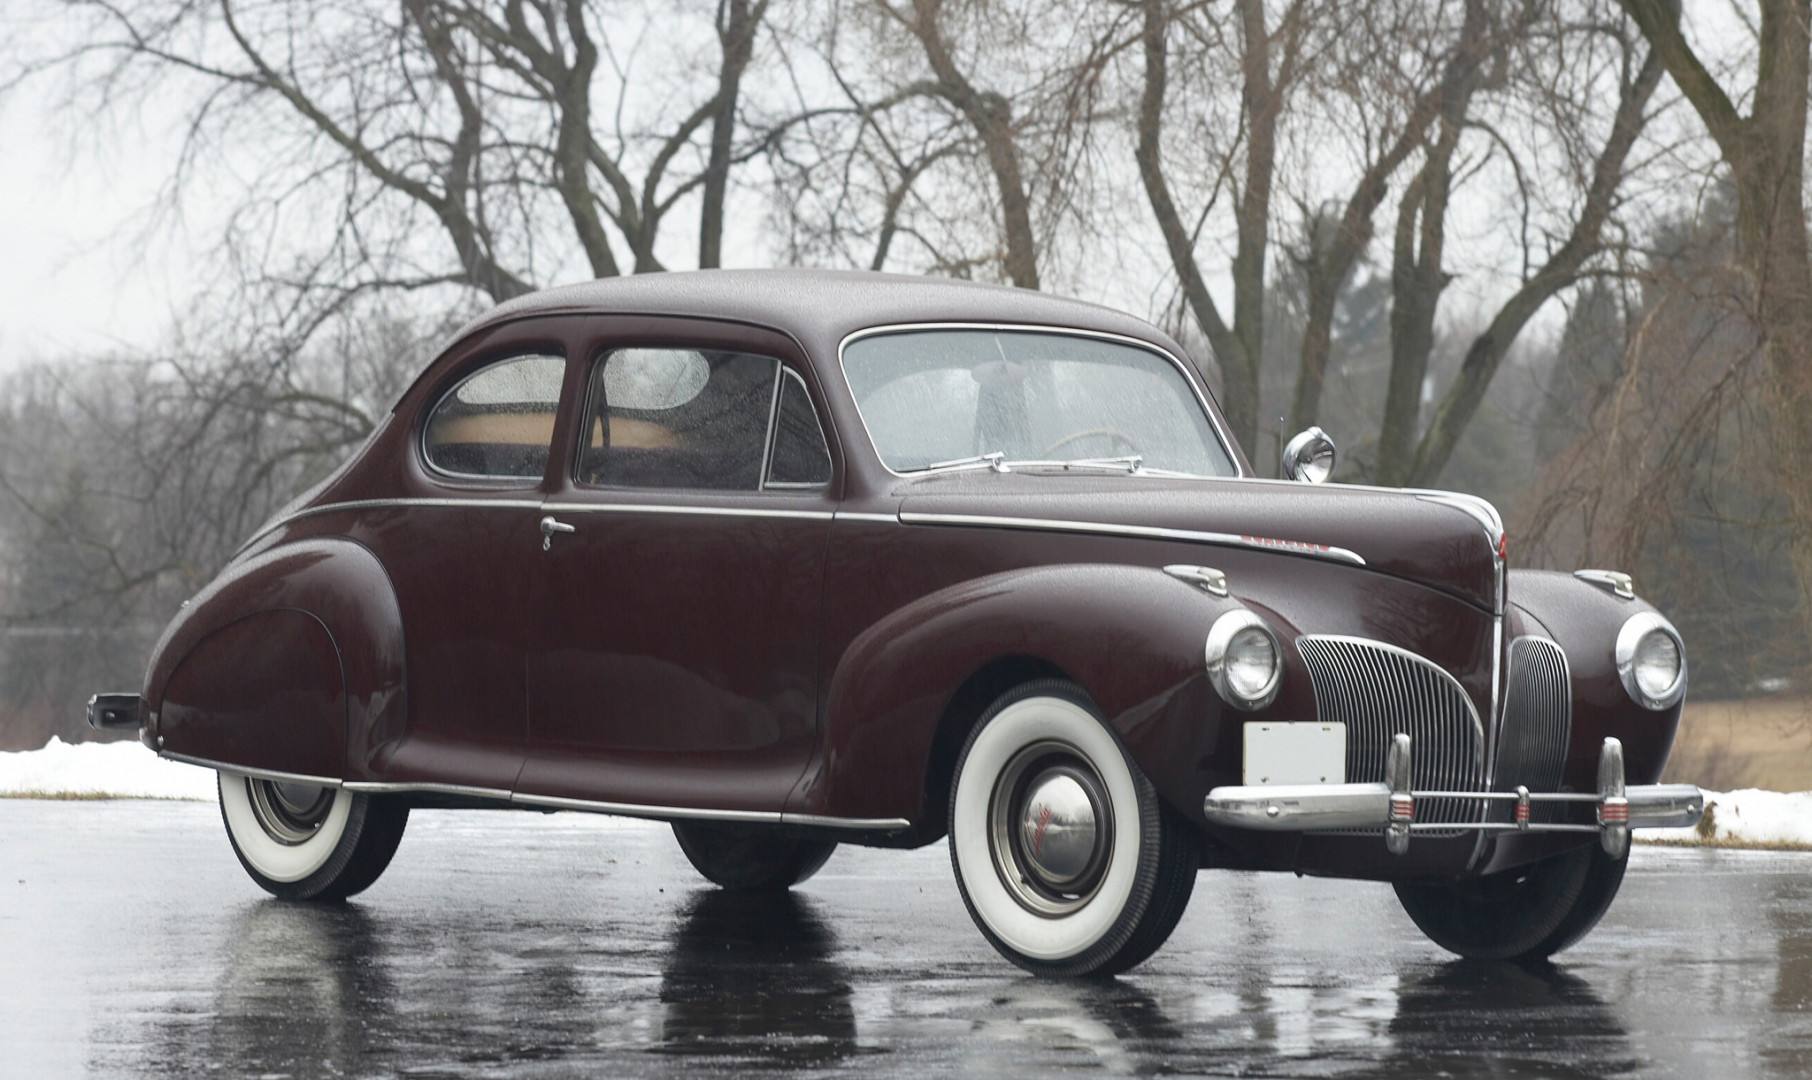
1583, 620
291, 660
1131, 637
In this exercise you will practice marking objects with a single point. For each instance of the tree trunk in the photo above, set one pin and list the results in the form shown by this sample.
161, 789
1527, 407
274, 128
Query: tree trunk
991, 115
737, 21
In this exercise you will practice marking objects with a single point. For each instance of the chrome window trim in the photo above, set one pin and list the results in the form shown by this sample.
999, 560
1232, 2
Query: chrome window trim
421, 436
1213, 414
1147, 532
636, 810
767, 460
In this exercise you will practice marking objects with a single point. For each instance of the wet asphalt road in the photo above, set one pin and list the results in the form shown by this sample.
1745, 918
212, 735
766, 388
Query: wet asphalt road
523, 945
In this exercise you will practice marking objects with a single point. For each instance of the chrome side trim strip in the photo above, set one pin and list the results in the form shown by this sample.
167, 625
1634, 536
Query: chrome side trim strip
684, 511
554, 802
382, 787
256, 774
686, 813
883, 519
1149, 532
894, 824
384, 504
663, 813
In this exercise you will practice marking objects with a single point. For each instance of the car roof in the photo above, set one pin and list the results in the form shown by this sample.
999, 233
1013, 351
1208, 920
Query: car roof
819, 308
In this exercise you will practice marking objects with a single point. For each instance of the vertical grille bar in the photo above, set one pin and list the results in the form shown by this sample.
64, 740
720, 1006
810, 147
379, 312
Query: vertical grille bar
1538, 722
1377, 690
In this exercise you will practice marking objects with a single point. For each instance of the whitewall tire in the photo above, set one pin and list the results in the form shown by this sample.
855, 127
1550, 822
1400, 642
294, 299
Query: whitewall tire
1064, 854
304, 842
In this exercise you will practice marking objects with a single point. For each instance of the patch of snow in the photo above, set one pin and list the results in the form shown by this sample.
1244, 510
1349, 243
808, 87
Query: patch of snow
1748, 816
124, 770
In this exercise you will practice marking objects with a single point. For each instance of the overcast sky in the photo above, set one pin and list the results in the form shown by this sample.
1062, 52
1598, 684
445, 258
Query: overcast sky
85, 273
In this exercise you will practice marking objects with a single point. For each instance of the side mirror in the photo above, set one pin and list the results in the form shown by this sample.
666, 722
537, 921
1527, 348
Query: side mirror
1309, 457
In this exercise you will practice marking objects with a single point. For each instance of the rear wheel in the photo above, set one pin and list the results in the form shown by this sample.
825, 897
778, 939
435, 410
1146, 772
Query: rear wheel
750, 858
1526, 913
1066, 858
306, 841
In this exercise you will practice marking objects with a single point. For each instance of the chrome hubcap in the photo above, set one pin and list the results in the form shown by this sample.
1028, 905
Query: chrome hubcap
1051, 829
289, 813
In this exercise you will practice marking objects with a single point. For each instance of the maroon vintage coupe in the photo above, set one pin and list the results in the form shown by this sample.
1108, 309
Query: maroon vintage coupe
791, 559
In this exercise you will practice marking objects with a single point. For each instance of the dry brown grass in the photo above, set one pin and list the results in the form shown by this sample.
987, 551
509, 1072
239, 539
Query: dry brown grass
1758, 743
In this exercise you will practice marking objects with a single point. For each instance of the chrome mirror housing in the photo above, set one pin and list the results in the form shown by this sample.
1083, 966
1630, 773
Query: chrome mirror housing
1309, 457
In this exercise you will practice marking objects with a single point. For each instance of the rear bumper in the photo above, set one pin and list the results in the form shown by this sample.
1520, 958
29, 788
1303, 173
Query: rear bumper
1390, 806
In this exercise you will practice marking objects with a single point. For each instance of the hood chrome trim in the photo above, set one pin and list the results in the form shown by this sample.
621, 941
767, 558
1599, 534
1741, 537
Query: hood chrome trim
1146, 532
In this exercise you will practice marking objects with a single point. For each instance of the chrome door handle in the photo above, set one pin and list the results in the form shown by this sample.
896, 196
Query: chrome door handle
550, 526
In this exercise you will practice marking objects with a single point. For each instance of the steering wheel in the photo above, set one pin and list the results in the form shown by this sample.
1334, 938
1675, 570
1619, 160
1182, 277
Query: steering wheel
1120, 437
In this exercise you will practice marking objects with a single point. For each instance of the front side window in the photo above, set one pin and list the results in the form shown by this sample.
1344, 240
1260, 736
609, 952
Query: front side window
498, 423
930, 397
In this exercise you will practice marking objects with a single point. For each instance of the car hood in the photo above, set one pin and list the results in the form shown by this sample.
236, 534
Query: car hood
1448, 541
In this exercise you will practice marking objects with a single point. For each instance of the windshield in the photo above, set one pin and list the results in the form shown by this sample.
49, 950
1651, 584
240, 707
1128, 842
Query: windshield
999, 397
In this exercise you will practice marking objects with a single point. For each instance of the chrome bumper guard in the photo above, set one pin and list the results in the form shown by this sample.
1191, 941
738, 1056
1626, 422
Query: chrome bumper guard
1391, 805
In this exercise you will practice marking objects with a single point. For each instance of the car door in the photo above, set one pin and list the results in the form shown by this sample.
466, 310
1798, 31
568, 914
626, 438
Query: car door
460, 547
676, 613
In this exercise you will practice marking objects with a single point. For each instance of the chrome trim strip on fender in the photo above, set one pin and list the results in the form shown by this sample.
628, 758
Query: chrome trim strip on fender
382, 787
256, 774
1148, 532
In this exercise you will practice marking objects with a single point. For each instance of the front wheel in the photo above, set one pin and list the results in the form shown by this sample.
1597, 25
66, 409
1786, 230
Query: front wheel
1066, 858
308, 842
1526, 913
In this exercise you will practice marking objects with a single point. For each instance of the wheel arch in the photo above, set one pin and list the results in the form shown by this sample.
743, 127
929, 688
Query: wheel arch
907, 690
239, 676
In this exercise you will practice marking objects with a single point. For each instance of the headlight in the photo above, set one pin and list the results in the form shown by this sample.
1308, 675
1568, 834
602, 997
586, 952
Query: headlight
1651, 661
1244, 663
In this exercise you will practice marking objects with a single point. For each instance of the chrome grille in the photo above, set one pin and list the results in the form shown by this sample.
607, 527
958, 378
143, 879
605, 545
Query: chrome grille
1377, 690
1537, 723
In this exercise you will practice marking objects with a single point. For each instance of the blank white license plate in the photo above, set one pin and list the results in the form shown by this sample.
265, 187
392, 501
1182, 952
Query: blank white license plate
1305, 753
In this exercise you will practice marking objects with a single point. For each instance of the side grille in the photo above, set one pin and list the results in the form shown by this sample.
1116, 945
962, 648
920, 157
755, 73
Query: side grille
1377, 690
1537, 723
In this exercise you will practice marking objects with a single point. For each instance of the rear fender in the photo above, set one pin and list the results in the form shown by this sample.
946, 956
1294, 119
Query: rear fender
291, 661
1131, 637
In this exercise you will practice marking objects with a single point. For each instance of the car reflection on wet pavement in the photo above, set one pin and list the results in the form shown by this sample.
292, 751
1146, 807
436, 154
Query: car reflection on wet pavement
514, 944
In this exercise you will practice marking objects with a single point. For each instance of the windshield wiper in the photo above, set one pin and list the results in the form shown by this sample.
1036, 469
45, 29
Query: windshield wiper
996, 460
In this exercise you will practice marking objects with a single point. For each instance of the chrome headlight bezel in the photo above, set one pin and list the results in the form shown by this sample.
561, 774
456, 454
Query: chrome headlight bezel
1220, 639
1629, 641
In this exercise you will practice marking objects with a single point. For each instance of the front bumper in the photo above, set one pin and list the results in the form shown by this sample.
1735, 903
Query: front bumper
1390, 806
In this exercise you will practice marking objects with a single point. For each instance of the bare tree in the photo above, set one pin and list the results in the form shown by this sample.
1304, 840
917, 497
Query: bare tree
484, 115
1265, 83
1765, 152
1405, 457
